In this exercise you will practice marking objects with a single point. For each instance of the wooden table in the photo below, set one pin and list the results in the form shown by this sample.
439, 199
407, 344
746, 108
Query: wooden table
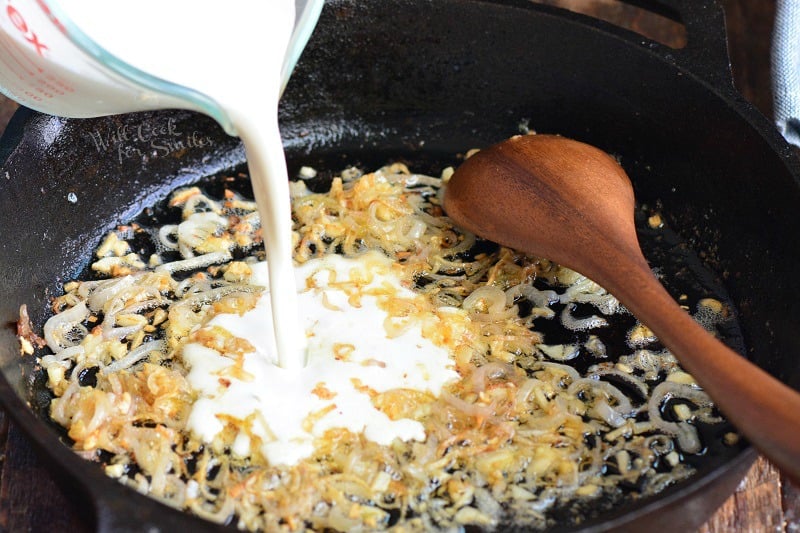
31, 500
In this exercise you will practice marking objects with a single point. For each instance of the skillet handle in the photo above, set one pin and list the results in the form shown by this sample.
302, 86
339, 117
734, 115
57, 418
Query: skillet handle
706, 51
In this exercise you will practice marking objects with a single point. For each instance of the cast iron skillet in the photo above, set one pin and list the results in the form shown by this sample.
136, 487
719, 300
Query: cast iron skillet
427, 79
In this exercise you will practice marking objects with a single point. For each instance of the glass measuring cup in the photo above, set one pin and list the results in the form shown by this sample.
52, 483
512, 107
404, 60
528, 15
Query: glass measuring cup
48, 64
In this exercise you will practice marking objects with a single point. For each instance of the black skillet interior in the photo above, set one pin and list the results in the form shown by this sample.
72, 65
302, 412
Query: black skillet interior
425, 80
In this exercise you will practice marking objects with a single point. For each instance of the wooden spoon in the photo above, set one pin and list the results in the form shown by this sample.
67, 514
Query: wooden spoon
573, 204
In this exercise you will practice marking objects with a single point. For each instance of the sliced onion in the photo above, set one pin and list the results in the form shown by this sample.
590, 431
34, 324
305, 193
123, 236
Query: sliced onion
59, 328
570, 371
650, 362
414, 180
481, 377
488, 299
215, 294
60, 407
416, 231
630, 379
113, 333
143, 306
540, 298
63, 357
168, 237
192, 206
595, 463
686, 433
107, 291
193, 263
596, 347
560, 352
467, 242
185, 250
196, 229
526, 389
660, 444
135, 355
488, 506
585, 290
613, 415
467, 408
581, 324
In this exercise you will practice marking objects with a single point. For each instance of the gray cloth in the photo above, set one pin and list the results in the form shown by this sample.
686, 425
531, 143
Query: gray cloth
786, 69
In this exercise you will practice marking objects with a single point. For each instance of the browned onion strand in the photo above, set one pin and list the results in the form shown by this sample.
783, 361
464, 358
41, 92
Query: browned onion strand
520, 433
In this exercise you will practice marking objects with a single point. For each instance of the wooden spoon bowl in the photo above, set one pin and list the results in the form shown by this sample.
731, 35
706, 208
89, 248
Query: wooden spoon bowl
574, 204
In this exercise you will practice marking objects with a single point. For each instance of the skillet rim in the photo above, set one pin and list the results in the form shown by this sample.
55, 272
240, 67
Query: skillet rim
729, 95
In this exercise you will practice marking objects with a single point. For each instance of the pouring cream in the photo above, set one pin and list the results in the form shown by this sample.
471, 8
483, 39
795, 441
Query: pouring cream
210, 47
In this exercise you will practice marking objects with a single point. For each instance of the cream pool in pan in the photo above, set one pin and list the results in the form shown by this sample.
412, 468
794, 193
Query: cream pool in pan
343, 310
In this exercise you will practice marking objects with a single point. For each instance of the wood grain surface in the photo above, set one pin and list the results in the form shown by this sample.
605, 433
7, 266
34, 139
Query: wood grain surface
32, 500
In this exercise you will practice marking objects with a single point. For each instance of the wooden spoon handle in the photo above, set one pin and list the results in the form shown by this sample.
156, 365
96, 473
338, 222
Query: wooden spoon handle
766, 410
